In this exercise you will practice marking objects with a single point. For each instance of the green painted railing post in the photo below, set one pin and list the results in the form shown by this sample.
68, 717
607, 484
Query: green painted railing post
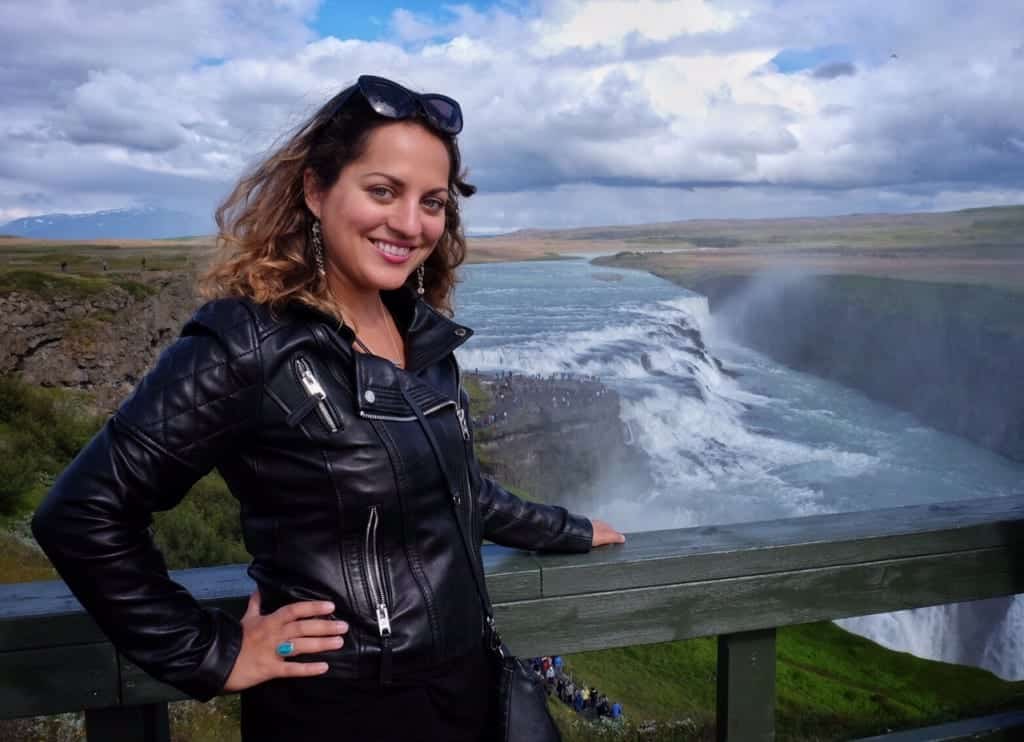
746, 687
146, 723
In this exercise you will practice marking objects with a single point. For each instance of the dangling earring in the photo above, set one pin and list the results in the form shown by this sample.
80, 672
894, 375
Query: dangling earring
318, 248
419, 280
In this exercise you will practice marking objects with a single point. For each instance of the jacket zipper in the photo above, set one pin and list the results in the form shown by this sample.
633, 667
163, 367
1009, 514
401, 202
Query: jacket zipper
464, 427
406, 418
459, 412
489, 630
378, 588
314, 389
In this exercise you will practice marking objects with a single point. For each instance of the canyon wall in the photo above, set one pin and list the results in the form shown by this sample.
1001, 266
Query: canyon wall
952, 355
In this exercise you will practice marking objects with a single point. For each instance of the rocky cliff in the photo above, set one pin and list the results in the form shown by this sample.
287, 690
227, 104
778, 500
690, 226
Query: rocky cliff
952, 355
92, 334
559, 439
554, 438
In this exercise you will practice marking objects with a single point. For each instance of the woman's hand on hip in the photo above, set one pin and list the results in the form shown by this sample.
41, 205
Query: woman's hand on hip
289, 631
605, 534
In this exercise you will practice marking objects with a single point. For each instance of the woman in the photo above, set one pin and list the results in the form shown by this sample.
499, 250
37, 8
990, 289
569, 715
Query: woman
321, 383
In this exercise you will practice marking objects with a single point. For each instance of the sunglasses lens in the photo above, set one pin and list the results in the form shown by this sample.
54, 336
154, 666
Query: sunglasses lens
387, 99
445, 113
390, 99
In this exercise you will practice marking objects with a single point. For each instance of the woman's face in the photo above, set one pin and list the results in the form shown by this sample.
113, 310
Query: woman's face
384, 215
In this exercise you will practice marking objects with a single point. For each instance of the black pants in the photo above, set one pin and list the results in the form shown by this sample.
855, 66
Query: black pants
450, 704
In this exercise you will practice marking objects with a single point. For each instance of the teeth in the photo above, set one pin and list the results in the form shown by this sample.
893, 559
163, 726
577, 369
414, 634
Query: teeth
387, 247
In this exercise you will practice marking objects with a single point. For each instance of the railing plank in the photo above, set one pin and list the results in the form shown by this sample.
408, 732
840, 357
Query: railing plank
43, 614
51, 681
746, 687
649, 615
46, 614
139, 687
38, 649
763, 547
658, 587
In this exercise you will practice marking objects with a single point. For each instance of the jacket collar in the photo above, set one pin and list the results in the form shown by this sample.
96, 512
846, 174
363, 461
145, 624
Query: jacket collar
381, 390
429, 335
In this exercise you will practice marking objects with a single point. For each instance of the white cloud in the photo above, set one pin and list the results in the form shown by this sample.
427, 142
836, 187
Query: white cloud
113, 108
572, 25
612, 99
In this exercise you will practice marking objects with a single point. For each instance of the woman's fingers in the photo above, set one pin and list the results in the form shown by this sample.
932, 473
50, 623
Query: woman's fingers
305, 609
263, 637
310, 645
315, 627
253, 608
302, 669
605, 534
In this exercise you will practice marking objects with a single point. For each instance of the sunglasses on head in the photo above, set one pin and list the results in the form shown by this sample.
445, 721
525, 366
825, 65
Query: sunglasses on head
391, 100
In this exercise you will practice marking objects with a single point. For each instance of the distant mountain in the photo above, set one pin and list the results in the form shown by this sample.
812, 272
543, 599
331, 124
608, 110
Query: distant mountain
147, 222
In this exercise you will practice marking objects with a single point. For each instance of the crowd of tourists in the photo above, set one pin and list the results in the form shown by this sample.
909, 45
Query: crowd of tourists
584, 700
511, 392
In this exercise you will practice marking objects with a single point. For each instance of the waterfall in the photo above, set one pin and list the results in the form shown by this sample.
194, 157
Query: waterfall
733, 436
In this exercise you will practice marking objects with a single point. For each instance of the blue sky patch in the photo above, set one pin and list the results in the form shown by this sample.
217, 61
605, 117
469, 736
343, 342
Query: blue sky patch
368, 19
210, 62
789, 61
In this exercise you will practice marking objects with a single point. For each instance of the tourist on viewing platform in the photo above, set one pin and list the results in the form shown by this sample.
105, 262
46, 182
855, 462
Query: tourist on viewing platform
320, 381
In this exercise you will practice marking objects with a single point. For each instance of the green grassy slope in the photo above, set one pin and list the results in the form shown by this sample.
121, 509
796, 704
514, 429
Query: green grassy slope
830, 685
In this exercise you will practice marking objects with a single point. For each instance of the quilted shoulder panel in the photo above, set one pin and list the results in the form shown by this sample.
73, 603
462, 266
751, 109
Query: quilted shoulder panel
205, 391
238, 322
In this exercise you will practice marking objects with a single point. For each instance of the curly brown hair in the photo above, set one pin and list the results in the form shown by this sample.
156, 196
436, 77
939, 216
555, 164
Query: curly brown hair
263, 226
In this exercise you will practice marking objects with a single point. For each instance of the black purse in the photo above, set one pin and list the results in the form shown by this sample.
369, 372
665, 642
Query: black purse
519, 712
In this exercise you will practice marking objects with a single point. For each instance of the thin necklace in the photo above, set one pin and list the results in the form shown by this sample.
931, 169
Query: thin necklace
397, 357
366, 349
389, 321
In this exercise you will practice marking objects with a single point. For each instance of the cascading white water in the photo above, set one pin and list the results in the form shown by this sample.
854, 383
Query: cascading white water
733, 436
983, 633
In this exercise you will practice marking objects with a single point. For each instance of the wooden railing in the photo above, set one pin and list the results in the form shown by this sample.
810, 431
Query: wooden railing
738, 582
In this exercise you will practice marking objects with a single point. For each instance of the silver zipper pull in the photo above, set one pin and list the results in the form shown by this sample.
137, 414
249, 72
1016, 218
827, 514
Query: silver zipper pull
315, 390
383, 620
461, 414
309, 381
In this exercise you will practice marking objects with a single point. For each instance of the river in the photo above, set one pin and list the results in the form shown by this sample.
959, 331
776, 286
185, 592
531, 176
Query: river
732, 435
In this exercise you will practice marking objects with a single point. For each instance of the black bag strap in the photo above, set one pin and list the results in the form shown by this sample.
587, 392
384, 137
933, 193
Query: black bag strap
475, 559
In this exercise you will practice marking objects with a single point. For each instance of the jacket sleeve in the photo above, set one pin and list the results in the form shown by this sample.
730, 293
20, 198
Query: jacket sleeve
198, 401
510, 520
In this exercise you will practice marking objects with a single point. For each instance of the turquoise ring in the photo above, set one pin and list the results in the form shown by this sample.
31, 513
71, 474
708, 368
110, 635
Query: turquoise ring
285, 648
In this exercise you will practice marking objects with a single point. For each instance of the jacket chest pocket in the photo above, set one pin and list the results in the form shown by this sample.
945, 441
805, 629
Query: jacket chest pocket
314, 406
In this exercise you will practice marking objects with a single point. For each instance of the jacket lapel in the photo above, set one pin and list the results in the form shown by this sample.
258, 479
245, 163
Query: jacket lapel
429, 335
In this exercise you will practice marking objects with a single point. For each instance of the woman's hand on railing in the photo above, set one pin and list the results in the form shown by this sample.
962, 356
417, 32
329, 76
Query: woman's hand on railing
289, 631
605, 534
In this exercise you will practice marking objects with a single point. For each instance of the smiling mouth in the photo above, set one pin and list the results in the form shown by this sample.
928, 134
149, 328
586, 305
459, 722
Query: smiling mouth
391, 250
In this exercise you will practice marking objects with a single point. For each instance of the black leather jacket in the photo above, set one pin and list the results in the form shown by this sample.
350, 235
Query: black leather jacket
342, 495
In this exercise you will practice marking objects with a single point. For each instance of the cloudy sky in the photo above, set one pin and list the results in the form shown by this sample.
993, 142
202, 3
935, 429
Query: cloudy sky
577, 111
